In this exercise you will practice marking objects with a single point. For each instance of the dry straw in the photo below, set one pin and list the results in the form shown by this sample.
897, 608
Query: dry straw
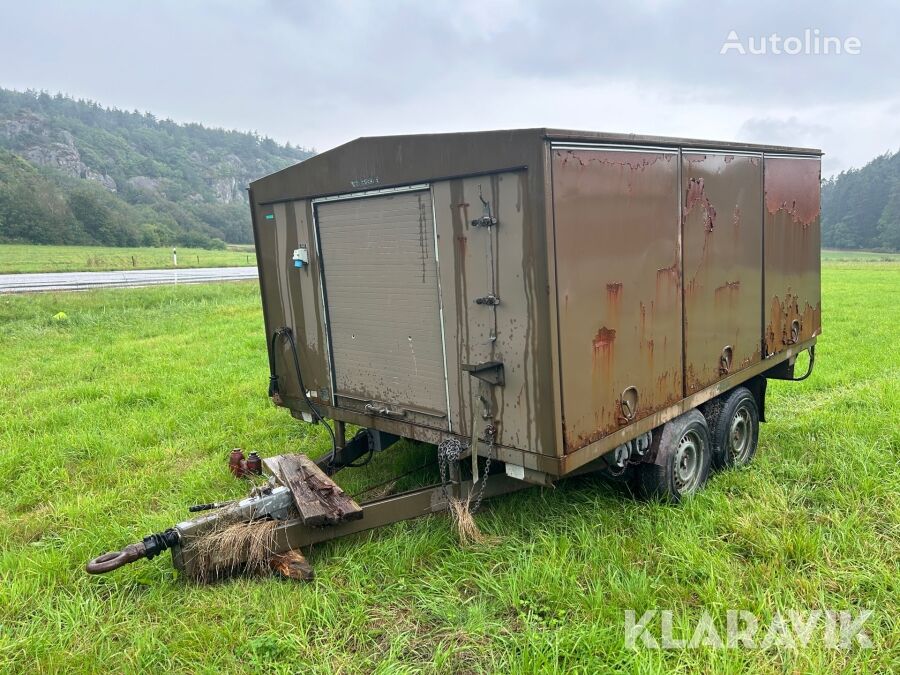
240, 547
464, 523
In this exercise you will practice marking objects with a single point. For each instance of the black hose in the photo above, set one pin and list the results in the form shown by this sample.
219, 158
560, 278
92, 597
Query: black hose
812, 362
286, 333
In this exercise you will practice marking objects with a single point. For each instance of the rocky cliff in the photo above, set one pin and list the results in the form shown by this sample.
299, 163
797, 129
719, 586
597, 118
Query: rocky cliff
177, 169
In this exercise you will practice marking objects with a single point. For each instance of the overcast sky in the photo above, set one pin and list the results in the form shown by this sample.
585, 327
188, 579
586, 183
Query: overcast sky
318, 74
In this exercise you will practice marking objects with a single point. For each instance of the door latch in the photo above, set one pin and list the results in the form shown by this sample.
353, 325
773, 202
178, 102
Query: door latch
376, 409
490, 300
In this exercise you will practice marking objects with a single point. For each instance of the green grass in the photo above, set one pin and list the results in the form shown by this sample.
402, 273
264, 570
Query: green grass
34, 258
114, 421
843, 255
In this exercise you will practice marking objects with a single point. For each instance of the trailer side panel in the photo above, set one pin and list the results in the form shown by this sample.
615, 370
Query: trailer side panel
619, 287
722, 230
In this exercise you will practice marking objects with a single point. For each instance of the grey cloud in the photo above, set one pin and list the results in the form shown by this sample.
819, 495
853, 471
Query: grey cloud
319, 73
789, 131
379, 45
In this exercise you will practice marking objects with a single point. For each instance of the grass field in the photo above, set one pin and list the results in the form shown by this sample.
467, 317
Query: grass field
114, 421
16, 258
841, 255
31, 258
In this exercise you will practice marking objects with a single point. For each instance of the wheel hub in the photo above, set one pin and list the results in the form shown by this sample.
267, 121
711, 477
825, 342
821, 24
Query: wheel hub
687, 462
740, 435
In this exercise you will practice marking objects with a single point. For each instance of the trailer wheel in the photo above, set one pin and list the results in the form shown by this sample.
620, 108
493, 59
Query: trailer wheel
682, 462
735, 429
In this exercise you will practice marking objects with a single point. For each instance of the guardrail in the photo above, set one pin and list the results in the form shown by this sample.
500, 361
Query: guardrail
81, 281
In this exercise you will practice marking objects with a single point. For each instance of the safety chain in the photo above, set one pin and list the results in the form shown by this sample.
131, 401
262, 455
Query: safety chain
448, 450
490, 431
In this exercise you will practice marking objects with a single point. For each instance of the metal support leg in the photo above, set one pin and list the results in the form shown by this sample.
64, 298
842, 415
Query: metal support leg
370, 440
340, 434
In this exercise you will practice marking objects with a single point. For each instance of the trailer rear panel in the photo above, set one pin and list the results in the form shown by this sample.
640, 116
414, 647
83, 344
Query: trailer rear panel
792, 259
386, 338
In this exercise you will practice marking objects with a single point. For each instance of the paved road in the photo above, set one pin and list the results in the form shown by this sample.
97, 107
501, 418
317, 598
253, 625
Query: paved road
81, 281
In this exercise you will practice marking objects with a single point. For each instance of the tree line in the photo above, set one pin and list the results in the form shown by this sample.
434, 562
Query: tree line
861, 207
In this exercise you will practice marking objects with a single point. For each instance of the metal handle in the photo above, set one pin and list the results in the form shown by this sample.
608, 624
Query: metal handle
375, 409
725, 360
795, 331
628, 402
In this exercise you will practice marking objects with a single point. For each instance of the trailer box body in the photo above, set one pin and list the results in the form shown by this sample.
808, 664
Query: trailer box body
573, 289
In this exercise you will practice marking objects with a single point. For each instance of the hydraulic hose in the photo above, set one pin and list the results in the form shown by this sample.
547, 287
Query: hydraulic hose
812, 362
288, 335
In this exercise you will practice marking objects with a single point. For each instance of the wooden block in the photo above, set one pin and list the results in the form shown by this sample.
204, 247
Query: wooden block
319, 500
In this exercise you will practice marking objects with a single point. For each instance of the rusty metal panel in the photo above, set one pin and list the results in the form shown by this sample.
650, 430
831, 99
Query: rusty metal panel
619, 287
793, 307
722, 242
473, 261
383, 306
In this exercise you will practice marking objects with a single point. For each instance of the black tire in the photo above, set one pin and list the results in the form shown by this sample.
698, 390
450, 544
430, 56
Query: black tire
682, 460
734, 429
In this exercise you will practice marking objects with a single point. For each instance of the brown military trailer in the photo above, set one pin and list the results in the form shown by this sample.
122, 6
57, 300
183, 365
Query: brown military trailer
570, 291
536, 303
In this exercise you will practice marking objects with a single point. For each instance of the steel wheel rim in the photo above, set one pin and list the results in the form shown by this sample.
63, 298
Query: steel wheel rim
740, 435
688, 462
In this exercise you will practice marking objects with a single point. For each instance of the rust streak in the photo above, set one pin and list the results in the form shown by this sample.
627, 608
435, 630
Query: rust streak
729, 286
613, 294
727, 291
604, 338
667, 274
696, 195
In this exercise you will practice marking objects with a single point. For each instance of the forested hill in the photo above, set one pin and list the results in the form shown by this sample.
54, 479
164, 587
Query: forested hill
861, 207
74, 172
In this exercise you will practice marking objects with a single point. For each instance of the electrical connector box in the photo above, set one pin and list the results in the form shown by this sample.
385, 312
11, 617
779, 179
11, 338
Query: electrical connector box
301, 257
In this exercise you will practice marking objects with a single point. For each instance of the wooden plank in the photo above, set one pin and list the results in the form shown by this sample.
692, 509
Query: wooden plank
319, 500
